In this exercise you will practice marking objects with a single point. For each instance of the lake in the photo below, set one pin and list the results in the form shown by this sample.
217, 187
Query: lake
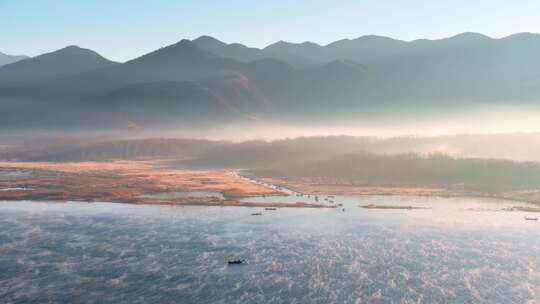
463, 250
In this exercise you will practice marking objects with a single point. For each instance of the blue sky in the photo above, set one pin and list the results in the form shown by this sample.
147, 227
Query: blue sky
124, 29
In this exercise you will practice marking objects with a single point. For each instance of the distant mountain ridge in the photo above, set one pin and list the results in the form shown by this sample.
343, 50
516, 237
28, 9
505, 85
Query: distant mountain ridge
206, 82
64, 62
7, 59
362, 49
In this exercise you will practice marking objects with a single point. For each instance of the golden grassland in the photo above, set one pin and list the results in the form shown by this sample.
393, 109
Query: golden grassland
127, 181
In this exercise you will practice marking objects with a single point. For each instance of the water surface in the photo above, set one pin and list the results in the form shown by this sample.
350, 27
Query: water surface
118, 253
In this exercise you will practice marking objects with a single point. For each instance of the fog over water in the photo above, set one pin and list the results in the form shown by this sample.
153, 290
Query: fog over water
461, 251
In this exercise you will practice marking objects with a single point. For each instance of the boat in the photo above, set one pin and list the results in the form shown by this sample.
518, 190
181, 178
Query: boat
271, 208
237, 262
256, 213
531, 218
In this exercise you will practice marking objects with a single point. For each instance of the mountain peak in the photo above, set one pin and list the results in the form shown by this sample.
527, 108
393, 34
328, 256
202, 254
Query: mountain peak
285, 44
63, 62
470, 36
208, 39
185, 48
375, 37
184, 42
278, 44
310, 44
8, 59
523, 35
367, 40
69, 51
236, 51
74, 50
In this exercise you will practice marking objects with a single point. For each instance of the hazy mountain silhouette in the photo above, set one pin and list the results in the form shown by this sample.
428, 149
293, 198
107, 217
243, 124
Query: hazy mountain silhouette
468, 67
180, 84
234, 51
219, 99
299, 55
67, 61
7, 59
182, 61
207, 82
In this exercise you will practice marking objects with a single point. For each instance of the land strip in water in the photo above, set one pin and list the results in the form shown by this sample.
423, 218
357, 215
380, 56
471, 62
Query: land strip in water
333, 186
143, 182
130, 182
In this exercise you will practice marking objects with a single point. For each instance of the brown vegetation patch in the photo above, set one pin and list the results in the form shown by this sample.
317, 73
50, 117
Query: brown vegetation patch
120, 181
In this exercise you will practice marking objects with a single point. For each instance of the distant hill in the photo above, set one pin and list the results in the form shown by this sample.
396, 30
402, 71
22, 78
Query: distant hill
64, 62
469, 67
180, 84
206, 82
7, 59
234, 51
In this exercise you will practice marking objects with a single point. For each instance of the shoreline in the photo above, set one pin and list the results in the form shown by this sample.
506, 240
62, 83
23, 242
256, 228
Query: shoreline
227, 203
235, 203
303, 187
128, 181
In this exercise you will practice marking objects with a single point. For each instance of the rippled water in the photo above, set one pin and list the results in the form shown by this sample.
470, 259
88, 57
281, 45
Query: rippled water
115, 253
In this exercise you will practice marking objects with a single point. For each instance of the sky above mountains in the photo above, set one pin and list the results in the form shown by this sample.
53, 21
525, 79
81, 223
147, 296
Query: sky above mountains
124, 29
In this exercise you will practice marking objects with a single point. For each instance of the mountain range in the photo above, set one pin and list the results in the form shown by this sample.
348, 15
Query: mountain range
206, 83
7, 59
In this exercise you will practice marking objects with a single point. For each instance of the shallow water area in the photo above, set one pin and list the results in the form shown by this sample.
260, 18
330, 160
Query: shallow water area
15, 189
463, 250
14, 173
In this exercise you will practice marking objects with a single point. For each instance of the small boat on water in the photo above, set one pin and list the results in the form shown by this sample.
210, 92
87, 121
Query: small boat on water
270, 208
256, 213
237, 262
531, 218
